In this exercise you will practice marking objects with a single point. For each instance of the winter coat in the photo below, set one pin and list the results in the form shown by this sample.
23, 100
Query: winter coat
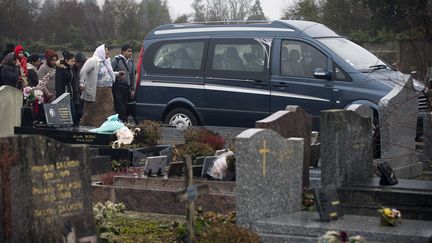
9, 72
63, 79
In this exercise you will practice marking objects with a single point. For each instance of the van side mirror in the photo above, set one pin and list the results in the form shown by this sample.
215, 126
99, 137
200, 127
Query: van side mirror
322, 74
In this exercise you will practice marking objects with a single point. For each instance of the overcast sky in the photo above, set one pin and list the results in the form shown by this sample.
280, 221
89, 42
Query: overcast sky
272, 8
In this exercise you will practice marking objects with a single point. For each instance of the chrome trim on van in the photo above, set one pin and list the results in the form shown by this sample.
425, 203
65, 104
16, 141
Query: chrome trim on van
219, 29
226, 88
297, 96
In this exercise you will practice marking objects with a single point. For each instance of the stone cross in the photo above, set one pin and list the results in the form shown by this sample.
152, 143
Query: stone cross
264, 150
268, 175
189, 195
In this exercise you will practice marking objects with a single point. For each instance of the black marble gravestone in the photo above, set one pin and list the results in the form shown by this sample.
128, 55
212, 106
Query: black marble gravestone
45, 191
58, 113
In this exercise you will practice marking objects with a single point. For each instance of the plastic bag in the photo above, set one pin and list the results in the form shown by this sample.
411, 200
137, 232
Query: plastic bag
124, 136
220, 167
111, 125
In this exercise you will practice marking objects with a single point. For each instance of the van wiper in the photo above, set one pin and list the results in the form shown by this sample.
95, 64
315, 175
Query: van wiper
377, 67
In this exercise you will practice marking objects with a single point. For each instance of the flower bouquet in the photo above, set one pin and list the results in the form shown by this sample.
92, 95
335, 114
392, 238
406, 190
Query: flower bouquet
389, 216
333, 236
32, 97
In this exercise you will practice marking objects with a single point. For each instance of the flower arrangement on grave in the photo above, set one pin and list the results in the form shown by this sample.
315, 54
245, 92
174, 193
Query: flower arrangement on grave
104, 214
389, 216
32, 96
333, 236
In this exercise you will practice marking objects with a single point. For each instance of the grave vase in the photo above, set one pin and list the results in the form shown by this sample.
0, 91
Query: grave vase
386, 222
26, 117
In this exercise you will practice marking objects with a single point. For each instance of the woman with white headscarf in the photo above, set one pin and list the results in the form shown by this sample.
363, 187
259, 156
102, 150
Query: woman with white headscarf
96, 80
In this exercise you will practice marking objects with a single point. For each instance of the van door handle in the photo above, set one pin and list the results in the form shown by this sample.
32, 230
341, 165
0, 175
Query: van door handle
281, 84
259, 82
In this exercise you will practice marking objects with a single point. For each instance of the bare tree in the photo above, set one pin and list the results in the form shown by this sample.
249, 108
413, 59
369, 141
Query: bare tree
256, 12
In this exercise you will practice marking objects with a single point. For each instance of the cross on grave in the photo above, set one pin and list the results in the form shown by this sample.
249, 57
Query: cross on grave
264, 151
7, 159
189, 195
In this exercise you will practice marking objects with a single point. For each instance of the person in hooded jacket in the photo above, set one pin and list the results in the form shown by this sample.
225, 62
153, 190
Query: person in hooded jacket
33, 64
80, 59
96, 80
21, 61
64, 75
10, 70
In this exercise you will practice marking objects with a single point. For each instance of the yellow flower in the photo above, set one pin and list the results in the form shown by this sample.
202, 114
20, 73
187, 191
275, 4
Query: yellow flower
388, 212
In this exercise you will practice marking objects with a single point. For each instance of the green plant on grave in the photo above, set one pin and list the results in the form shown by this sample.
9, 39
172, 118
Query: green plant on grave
120, 165
147, 132
104, 214
205, 220
194, 149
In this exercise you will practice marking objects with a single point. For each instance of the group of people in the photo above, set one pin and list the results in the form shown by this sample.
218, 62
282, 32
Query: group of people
98, 86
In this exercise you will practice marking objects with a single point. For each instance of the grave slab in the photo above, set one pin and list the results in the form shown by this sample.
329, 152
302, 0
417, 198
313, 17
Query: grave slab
306, 227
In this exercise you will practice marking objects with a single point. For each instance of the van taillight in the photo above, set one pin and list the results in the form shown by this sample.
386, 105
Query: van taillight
138, 78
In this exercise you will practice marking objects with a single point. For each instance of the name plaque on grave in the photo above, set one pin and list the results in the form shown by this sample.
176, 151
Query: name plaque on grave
55, 192
327, 203
58, 113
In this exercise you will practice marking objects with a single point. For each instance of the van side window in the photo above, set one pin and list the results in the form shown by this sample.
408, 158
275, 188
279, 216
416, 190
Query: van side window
340, 74
238, 57
187, 55
300, 59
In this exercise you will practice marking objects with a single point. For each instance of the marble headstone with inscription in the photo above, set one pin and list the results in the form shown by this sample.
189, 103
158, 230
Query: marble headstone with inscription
346, 147
46, 191
10, 109
268, 175
398, 124
58, 113
292, 122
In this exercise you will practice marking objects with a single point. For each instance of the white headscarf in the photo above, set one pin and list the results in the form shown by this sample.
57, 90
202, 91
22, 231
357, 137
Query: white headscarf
100, 53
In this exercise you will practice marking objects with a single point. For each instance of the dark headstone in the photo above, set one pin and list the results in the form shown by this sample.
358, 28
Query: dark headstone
139, 155
327, 203
175, 169
398, 124
268, 175
292, 122
100, 164
346, 147
58, 113
155, 165
46, 191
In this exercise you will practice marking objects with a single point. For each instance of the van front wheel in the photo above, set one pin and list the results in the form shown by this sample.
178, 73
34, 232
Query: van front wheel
181, 118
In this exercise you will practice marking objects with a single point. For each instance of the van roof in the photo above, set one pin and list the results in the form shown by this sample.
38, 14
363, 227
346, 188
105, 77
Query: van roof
243, 28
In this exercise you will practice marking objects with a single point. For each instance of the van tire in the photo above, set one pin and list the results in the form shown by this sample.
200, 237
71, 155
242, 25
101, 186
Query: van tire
181, 118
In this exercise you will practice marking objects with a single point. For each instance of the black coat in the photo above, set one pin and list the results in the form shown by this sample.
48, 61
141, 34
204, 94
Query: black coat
63, 79
9, 75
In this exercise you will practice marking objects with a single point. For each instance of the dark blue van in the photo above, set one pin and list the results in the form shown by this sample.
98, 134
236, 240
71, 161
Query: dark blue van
236, 74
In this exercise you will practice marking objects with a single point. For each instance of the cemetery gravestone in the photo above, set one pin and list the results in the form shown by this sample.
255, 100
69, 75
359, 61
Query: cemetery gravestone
427, 133
45, 191
398, 122
292, 122
268, 175
58, 113
10, 109
346, 147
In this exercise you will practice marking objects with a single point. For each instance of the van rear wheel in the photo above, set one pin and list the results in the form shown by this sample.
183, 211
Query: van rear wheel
181, 118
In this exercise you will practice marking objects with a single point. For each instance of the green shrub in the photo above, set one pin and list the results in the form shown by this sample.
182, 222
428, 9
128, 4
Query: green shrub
202, 135
120, 165
104, 214
147, 132
194, 149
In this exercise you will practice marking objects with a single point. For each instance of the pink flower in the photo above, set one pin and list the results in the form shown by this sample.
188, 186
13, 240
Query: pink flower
27, 91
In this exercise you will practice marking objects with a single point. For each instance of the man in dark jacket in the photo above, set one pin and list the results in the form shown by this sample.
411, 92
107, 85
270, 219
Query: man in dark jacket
10, 71
124, 85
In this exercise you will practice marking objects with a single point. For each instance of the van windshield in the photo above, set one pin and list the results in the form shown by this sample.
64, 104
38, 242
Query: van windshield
360, 58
